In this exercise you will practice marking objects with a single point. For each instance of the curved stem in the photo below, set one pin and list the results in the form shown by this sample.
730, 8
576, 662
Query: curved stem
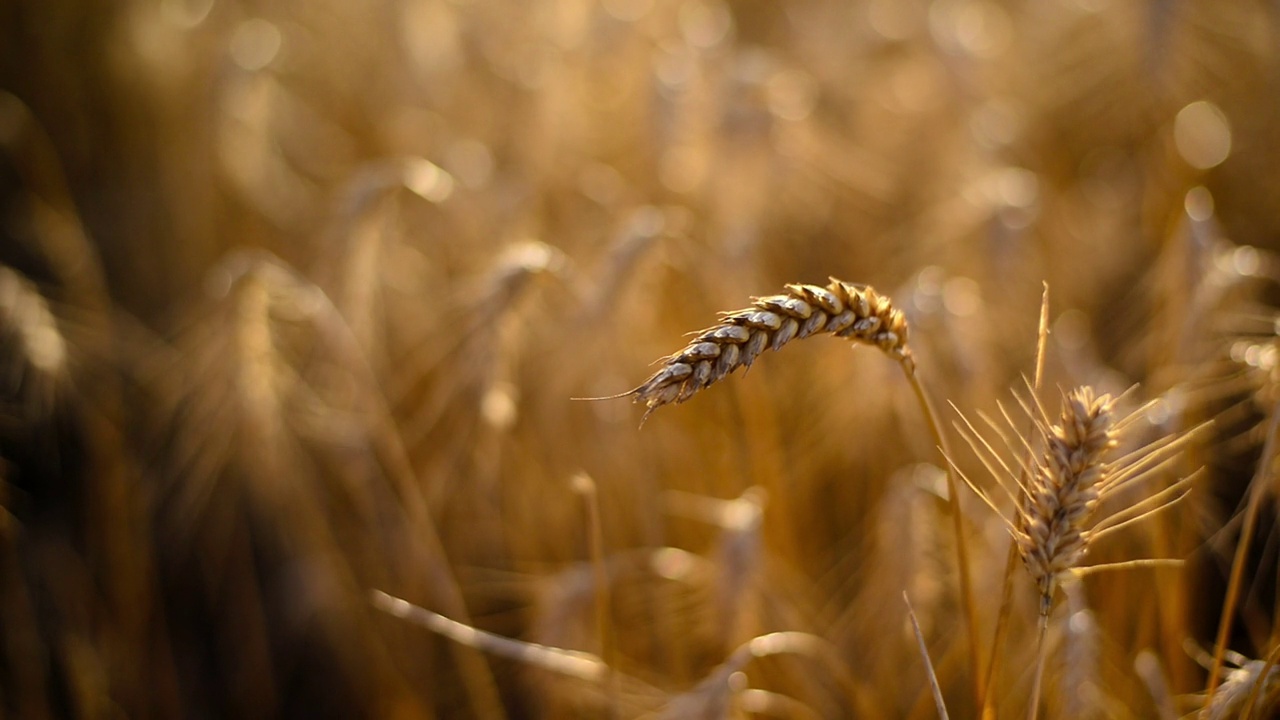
962, 550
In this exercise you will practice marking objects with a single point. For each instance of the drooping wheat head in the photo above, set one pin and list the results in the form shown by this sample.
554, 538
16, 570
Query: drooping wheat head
846, 310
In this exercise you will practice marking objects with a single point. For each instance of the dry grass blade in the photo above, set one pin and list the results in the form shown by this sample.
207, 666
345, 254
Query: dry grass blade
843, 309
1263, 475
573, 663
1264, 687
928, 664
585, 486
585, 667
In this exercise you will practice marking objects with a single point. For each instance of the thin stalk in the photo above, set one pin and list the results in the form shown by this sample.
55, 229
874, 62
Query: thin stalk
1011, 561
1129, 565
585, 486
570, 663
1002, 627
1042, 652
1242, 550
962, 550
938, 702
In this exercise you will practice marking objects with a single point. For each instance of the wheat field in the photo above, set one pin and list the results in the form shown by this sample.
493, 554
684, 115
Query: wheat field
425, 359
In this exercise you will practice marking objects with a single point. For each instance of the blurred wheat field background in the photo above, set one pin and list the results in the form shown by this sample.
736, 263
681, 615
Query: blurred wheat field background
296, 297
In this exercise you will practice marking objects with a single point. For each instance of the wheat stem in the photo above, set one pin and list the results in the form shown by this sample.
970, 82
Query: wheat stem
1011, 558
585, 486
953, 500
572, 663
928, 664
1042, 652
1002, 626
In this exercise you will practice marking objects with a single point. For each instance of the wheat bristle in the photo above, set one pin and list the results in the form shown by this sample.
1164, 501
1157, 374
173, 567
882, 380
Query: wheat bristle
843, 309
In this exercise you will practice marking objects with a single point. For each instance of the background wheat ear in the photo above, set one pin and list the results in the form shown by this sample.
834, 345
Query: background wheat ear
843, 309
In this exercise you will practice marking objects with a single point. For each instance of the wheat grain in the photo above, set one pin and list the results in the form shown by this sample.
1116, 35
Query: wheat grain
846, 310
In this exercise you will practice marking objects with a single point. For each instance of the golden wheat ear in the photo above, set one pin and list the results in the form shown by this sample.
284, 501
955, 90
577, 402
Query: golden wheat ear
1058, 478
1060, 475
846, 310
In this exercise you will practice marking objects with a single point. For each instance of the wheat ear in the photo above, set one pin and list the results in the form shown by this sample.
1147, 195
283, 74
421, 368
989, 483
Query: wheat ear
1061, 495
1067, 474
846, 310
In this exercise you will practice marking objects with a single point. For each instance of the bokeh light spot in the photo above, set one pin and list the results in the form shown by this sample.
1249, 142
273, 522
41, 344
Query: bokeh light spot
1202, 134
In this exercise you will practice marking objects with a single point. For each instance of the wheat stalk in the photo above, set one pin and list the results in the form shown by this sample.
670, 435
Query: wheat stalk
846, 310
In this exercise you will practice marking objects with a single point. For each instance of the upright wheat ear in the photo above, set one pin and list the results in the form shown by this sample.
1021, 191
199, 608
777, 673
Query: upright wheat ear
843, 309
1058, 489
1063, 491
